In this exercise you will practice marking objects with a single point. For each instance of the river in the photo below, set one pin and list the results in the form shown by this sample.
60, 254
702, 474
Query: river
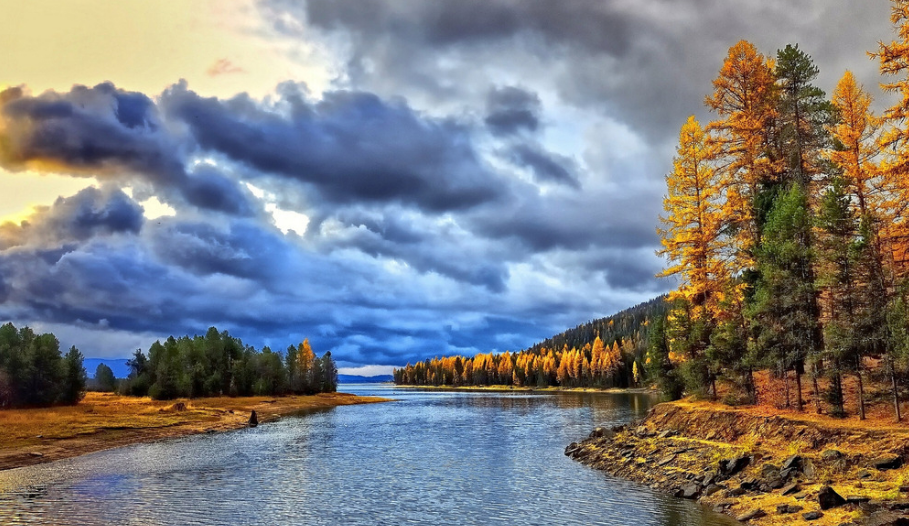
460, 458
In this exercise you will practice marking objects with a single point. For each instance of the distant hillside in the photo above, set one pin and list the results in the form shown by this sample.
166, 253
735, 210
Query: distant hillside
628, 325
119, 367
351, 379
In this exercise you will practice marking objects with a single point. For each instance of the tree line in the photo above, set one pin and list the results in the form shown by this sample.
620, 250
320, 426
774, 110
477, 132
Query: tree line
34, 373
785, 224
607, 352
219, 364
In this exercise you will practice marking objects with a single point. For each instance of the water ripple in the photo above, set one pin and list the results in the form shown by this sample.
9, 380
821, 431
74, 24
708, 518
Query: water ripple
430, 458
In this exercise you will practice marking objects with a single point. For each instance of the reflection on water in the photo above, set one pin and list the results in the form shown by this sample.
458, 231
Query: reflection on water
429, 458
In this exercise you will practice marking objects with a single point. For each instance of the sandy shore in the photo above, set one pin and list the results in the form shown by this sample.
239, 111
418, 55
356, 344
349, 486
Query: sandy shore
104, 421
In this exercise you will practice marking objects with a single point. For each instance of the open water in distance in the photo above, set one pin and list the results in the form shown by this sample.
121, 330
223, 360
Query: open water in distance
461, 458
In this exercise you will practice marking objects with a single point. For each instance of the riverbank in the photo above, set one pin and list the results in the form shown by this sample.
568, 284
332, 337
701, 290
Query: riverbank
762, 468
512, 388
105, 420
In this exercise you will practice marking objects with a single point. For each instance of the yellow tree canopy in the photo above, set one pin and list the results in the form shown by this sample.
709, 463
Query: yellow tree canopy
692, 233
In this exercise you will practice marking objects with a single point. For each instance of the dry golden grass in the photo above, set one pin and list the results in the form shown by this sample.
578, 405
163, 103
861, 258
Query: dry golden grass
106, 420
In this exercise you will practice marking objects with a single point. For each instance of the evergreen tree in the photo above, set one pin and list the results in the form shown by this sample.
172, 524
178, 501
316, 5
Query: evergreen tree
329, 374
659, 366
841, 249
72, 388
104, 378
785, 310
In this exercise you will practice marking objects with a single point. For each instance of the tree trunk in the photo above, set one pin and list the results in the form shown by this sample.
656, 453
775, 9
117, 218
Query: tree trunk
786, 386
896, 393
817, 390
861, 394
798, 388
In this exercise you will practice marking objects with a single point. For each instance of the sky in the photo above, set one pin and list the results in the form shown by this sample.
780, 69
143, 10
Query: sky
392, 180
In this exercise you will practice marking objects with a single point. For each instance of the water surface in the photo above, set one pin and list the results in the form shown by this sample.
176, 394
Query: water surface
462, 458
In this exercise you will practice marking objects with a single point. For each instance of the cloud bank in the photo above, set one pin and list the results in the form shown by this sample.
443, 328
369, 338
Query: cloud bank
481, 175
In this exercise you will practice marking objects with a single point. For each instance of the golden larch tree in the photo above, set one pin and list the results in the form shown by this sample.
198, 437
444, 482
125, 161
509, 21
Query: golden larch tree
744, 95
692, 236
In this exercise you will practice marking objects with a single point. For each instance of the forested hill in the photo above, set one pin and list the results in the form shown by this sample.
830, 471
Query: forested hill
609, 352
627, 325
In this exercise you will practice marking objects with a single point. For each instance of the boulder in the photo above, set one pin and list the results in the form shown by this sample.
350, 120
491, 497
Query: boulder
750, 483
688, 491
887, 462
793, 462
808, 468
753, 514
828, 498
734, 465
602, 432
784, 509
666, 460
712, 489
791, 488
769, 470
812, 515
886, 518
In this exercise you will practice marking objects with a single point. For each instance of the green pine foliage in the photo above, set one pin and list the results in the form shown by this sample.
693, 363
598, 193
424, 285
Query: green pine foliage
33, 372
219, 364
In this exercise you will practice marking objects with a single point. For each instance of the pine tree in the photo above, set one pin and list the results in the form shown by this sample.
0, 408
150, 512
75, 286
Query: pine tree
841, 249
785, 308
105, 379
72, 388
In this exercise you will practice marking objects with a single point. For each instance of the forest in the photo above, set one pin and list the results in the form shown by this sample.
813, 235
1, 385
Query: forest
219, 364
607, 352
785, 227
785, 224
33, 372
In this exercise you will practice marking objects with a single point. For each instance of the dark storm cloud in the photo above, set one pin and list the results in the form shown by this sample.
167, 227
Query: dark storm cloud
91, 212
426, 249
647, 63
546, 167
571, 222
350, 146
108, 133
242, 249
511, 110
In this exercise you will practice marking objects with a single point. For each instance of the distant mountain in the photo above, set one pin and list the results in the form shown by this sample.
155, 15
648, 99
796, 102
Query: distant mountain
351, 379
119, 367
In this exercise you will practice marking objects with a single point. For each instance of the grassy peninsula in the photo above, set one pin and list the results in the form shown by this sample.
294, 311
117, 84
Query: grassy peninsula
107, 420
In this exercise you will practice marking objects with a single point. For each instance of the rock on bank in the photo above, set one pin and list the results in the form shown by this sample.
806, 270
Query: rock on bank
760, 469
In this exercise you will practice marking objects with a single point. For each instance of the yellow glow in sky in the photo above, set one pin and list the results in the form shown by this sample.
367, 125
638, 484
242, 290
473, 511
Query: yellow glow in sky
144, 46
216, 45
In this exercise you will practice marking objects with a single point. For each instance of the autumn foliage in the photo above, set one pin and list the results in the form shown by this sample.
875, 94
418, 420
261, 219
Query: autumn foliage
786, 228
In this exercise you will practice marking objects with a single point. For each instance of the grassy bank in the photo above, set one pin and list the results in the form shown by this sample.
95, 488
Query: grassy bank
105, 420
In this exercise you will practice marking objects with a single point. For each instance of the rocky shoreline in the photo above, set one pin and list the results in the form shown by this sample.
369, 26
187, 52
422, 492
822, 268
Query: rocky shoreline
760, 469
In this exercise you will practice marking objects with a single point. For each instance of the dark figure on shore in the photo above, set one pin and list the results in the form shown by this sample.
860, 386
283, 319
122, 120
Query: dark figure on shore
253, 420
